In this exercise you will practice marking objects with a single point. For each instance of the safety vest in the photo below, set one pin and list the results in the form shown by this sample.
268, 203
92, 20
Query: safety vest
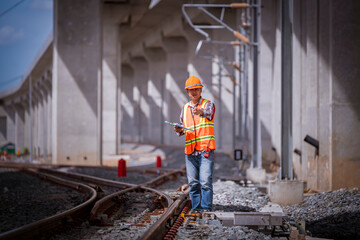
204, 130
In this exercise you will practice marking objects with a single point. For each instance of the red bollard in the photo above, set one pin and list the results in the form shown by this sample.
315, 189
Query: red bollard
122, 168
158, 162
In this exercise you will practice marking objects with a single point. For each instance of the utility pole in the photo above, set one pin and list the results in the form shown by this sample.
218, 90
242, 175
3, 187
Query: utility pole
286, 90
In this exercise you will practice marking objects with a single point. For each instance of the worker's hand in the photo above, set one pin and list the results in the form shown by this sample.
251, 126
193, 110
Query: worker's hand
198, 111
178, 129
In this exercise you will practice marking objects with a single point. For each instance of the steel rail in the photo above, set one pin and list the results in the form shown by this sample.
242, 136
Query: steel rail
117, 184
158, 229
100, 207
32, 230
88, 178
97, 213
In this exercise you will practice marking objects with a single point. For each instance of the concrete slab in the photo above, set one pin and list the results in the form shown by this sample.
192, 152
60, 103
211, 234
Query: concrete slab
226, 218
257, 175
286, 192
272, 208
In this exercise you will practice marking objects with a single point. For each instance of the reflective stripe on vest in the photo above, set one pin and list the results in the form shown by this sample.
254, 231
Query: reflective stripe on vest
204, 130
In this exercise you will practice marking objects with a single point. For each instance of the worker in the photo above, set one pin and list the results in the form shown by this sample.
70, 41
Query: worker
198, 114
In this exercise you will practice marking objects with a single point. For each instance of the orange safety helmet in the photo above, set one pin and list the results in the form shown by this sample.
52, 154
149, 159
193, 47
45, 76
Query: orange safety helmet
193, 82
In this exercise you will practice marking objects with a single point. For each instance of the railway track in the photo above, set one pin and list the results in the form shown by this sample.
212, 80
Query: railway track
35, 229
112, 208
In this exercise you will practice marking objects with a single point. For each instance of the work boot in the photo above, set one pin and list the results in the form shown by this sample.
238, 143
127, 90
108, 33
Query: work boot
203, 214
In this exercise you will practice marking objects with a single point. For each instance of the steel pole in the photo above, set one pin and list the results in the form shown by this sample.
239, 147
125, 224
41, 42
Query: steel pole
256, 144
286, 90
234, 99
220, 104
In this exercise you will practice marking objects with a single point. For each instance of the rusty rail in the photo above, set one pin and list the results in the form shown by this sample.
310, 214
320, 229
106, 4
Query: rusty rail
35, 229
101, 206
159, 229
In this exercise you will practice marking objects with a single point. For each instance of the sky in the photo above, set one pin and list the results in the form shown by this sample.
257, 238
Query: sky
23, 30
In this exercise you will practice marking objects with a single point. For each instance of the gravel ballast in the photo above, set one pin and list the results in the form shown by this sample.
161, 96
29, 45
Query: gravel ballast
25, 199
334, 214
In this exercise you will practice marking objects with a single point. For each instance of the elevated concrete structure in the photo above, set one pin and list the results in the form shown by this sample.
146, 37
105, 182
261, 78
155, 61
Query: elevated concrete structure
114, 70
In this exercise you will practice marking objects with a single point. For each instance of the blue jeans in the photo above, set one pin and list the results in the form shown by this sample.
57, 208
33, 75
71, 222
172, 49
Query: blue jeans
199, 173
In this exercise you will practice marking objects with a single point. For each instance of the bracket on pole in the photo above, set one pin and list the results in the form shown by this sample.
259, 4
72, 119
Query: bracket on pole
219, 20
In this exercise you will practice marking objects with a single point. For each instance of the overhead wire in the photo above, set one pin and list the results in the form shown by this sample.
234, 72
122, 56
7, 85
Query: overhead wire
11, 8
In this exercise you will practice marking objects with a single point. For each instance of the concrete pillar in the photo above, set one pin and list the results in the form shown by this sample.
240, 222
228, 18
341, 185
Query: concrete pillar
128, 122
37, 122
175, 96
344, 34
10, 123
298, 52
310, 93
76, 88
141, 102
156, 58
44, 119
48, 91
20, 127
112, 14
25, 104
270, 82
3, 124
325, 92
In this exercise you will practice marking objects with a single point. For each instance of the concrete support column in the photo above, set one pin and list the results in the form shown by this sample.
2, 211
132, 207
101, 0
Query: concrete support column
310, 91
47, 88
128, 122
25, 104
3, 125
299, 162
111, 50
20, 127
270, 81
345, 85
141, 104
44, 119
156, 58
37, 122
77, 130
175, 95
10, 123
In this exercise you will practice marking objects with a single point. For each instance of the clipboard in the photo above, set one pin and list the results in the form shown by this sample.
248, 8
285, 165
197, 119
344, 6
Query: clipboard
178, 125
